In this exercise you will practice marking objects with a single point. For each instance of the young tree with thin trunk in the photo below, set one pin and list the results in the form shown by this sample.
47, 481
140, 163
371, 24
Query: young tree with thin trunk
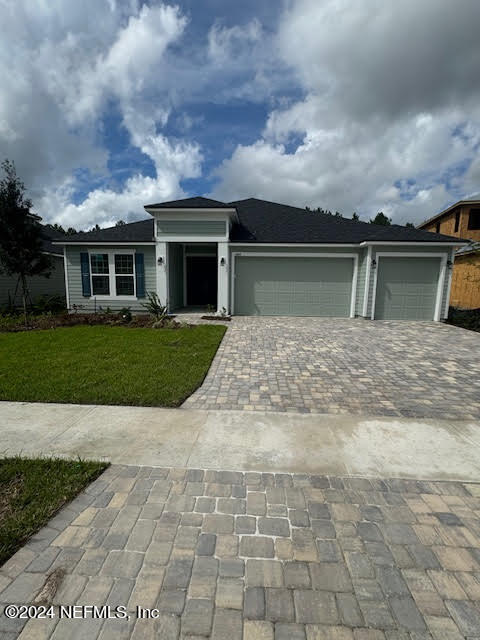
21, 237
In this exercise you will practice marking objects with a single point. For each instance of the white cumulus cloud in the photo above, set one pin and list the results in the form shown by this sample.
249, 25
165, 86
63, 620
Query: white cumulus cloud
61, 65
390, 112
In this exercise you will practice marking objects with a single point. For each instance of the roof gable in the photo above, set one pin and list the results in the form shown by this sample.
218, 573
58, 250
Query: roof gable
197, 202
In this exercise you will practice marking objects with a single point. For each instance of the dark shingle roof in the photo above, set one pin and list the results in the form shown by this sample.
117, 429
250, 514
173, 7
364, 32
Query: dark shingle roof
132, 232
190, 203
262, 221
270, 222
50, 235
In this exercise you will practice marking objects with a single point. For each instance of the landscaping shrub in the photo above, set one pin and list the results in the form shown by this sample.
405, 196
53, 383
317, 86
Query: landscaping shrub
49, 304
154, 306
465, 318
125, 315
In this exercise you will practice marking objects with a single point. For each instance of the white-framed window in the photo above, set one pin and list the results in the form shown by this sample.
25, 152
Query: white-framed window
112, 274
99, 269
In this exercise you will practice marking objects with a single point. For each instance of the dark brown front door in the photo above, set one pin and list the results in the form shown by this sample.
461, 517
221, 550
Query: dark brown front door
201, 280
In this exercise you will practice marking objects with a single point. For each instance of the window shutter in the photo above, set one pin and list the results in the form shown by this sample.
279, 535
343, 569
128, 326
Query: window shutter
140, 275
85, 267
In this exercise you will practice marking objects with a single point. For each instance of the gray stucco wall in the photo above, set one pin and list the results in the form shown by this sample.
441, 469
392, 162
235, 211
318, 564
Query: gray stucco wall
89, 304
38, 286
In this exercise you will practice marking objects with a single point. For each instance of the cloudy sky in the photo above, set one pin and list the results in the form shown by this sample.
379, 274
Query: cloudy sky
106, 105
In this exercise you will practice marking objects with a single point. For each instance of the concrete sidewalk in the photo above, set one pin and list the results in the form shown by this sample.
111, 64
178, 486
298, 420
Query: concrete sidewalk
323, 444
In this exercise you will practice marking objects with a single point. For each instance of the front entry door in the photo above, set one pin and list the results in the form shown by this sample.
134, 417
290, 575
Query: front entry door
201, 281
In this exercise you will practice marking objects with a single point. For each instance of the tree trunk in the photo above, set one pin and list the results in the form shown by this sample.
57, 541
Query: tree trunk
24, 298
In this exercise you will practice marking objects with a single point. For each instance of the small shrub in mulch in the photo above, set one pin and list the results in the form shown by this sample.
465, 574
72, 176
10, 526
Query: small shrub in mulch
217, 318
465, 318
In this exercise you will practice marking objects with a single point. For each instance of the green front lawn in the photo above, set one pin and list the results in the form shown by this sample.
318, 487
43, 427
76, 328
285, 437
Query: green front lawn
106, 365
32, 491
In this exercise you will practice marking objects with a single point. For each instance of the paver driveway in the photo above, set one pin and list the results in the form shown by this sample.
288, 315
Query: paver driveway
323, 365
256, 556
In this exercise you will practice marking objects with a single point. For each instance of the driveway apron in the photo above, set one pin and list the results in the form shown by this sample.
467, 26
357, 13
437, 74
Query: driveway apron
247, 556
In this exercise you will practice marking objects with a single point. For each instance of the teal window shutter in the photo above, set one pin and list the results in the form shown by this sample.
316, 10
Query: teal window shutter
85, 268
140, 275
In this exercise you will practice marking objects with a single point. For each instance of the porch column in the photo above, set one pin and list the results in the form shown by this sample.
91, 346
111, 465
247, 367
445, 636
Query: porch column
161, 258
222, 283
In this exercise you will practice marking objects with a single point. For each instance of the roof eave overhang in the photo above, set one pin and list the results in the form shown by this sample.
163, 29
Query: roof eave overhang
400, 243
105, 243
294, 244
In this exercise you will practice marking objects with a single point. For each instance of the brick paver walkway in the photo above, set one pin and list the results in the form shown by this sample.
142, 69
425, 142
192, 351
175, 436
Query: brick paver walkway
326, 365
252, 556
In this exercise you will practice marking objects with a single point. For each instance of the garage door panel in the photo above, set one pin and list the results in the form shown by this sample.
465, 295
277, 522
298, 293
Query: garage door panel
406, 288
293, 286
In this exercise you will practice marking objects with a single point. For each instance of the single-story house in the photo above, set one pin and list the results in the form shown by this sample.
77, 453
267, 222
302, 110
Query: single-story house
253, 257
11, 293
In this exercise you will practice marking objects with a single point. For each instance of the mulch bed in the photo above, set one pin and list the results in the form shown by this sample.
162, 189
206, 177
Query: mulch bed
91, 319
217, 318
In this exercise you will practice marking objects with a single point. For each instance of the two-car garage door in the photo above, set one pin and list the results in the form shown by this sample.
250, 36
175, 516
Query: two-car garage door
293, 286
404, 288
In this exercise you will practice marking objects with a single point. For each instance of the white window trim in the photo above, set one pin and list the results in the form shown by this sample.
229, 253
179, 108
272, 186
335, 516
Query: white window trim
111, 273
440, 283
258, 254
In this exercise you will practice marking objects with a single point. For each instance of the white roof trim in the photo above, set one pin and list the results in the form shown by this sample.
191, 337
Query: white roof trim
293, 244
447, 243
191, 209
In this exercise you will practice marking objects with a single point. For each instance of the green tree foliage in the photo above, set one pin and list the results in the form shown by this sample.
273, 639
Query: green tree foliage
21, 235
355, 216
59, 229
120, 223
326, 211
410, 225
382, 219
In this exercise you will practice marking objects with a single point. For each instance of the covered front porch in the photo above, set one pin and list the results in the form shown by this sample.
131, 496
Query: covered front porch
193, 277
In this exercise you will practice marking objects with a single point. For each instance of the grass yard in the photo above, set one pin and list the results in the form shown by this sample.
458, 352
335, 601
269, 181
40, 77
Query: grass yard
106, 365
32, 491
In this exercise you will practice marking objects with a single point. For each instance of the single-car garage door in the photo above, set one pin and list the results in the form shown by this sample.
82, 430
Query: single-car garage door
297, 286
406, 288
